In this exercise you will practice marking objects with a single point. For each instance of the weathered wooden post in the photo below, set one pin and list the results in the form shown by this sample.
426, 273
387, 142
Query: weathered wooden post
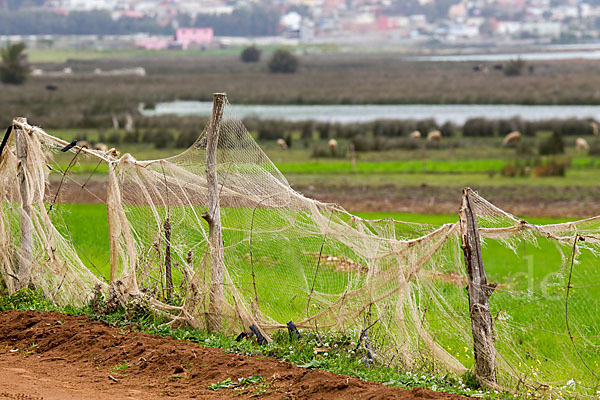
213, 216
479, 294
114, 231
26, 222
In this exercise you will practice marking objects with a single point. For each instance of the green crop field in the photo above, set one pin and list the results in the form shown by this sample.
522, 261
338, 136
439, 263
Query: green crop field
89, 228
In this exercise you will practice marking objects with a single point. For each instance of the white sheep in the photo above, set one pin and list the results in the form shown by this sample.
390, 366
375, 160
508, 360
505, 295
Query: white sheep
594, 126
434, 136
582, 144
332, 145
101, 147
512, 138
282, 144
128, 123
415, 135
115, 122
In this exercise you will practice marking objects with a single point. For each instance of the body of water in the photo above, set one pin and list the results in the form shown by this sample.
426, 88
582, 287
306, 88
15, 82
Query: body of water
456, 113
501, 57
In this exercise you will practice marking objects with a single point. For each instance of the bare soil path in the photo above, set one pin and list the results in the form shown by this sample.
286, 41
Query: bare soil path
572, 202
56, 356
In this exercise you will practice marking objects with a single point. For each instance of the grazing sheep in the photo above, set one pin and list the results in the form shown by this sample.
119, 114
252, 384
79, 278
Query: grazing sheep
101, 147
115, 122
594, 126
512, 138
128, 123
282, 144
332, 145
415, 135
434, 136
480, 68
582, 144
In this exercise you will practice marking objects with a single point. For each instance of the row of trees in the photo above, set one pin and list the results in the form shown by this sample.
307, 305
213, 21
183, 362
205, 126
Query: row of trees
252, 21
75, 23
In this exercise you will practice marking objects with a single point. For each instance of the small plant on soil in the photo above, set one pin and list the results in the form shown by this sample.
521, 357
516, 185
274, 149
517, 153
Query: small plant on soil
229, 383
120, 369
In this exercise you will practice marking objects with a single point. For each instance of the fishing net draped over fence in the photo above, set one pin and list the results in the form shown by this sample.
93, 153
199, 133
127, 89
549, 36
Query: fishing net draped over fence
286, 257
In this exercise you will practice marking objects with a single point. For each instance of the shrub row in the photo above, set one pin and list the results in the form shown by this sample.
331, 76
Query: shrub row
161, 138
537, 167
172, 131
482, 127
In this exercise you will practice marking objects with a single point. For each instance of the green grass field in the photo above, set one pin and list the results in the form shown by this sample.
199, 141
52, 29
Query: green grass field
89, 227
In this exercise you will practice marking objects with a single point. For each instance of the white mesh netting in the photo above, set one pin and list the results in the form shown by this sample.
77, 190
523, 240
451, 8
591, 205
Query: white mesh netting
290, 258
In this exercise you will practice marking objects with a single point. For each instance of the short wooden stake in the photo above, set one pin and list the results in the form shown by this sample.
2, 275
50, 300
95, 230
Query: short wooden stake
26, 221
479, 291
213, 217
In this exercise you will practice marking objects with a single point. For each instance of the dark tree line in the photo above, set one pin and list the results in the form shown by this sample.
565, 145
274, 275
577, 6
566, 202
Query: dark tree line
75, 23
253, 21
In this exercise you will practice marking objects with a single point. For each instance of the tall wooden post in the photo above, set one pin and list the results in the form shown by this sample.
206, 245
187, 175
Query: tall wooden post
479, 294
213, 216
114, 231
26, 222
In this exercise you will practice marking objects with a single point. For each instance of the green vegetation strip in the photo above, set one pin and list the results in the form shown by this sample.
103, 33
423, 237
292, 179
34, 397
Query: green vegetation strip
433, 166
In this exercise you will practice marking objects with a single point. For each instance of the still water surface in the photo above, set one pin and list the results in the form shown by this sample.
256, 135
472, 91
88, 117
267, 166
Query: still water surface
456, 113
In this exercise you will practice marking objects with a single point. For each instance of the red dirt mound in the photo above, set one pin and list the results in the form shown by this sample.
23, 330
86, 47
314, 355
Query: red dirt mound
56, 356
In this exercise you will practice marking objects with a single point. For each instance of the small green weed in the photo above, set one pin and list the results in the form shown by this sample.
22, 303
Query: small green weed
120, 369
228, 383
31, 349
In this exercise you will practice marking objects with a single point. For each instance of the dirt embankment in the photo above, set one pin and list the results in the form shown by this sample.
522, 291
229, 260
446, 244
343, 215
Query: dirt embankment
56, 356
539, 201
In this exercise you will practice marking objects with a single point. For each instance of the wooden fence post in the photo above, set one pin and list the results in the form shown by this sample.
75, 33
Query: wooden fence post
26, 222
479, 293
114, 231
213, 216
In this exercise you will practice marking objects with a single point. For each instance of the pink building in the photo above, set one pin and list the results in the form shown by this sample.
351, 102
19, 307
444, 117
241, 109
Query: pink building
188, 36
